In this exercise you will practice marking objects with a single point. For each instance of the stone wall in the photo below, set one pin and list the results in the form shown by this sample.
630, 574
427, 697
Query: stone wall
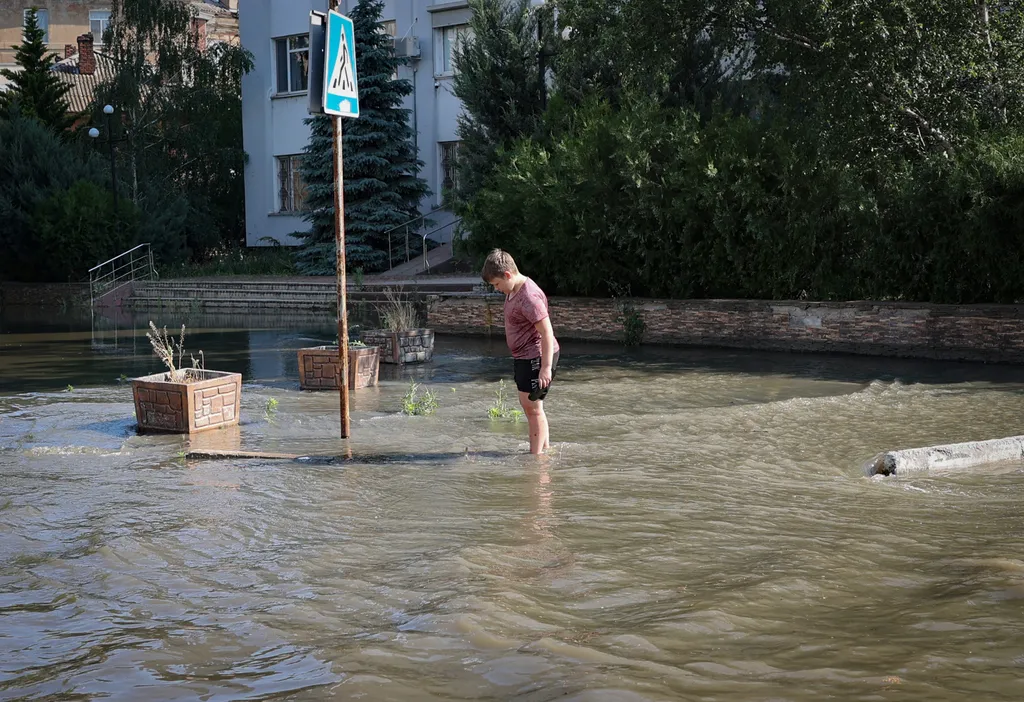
991, 333
49, 295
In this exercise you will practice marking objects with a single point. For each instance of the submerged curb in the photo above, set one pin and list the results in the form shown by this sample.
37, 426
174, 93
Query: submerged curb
970, 454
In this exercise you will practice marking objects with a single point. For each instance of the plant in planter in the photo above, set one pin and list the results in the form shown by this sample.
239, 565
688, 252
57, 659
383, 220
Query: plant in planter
318, 366
400, 340
184, 400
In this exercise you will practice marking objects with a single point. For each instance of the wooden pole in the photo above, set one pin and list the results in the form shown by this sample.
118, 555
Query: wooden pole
339, 240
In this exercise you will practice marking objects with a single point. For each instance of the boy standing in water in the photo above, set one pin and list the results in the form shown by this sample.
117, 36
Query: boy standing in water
530, 339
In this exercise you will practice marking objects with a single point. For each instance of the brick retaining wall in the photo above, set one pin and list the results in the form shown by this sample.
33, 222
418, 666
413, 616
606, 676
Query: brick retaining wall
49, 295
991, 333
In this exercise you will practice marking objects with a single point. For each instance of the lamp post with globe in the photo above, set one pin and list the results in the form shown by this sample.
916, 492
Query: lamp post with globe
108, 110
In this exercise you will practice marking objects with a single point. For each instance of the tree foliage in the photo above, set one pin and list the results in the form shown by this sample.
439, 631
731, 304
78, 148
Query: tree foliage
381, 170
823, 150
36, 90
55, 206
178, 108
498, 80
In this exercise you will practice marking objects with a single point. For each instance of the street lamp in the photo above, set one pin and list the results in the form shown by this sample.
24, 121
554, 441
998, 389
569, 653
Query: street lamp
108, 110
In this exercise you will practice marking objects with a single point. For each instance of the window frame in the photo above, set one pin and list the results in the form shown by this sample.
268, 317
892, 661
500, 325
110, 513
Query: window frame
389, 28
97, 38
40, 12
288, 178
448, 164
288, 53
453, 34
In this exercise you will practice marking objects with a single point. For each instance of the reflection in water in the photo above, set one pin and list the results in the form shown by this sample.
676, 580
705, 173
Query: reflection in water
700, 530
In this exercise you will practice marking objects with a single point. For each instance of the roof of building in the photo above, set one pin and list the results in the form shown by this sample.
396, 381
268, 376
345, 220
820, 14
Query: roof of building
83, 87
214, 8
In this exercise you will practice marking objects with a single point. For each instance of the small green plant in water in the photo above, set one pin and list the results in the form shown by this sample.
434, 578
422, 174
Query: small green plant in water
270, 409
501, 409
416, 404
633, 325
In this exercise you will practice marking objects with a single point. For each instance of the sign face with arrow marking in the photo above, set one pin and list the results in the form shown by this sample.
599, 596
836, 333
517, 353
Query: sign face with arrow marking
341, 91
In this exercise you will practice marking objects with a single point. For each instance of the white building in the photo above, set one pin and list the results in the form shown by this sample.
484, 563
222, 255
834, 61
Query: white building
274, 101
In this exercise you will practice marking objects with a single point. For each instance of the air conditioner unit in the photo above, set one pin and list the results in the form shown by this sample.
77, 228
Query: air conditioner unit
407, 47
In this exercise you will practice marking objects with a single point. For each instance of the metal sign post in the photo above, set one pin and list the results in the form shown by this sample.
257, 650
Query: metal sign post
340, 99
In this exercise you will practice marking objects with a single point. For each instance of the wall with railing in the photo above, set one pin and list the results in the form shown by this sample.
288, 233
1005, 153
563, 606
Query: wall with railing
111, 281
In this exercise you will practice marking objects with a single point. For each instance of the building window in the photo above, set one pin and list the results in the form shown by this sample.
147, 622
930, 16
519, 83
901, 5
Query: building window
292, 64
447, 39
389, 28
42, 20
99, 20
449, 168
291, 195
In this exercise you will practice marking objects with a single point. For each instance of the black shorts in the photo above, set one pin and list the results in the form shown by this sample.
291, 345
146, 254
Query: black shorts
527, 371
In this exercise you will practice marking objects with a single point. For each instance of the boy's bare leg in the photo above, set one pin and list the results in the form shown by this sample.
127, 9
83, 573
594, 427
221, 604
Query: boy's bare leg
538, 421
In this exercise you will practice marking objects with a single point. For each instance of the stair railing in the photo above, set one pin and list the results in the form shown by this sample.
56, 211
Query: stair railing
125, 268
403, 229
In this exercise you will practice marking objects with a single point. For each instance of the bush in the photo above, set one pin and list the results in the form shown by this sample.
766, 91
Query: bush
77, 228
654, 200
35, 164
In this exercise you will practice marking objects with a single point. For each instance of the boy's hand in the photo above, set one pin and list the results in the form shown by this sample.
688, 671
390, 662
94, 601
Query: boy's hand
544, 378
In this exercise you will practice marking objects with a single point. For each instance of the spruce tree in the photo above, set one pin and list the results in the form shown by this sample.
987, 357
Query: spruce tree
498, 81
382, 184
35, 89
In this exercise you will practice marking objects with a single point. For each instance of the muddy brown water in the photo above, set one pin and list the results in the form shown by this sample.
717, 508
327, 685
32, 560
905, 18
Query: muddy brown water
701, 530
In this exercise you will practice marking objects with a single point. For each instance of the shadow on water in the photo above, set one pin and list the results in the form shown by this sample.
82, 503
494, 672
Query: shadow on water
381, 459
45, 352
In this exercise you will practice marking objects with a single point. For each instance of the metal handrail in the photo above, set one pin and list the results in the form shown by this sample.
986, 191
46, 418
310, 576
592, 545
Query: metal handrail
415, 219
405, 225
426, 261
136, 248
137, 265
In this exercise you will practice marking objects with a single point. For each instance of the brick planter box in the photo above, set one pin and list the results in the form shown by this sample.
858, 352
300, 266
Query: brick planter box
318, 367
209, 402
410, 346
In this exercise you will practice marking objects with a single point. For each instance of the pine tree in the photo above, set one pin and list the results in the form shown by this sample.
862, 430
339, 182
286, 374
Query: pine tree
382, 184
35, 89
498, 82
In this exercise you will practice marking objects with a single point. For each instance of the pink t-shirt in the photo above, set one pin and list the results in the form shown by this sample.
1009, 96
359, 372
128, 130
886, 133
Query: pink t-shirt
523, 309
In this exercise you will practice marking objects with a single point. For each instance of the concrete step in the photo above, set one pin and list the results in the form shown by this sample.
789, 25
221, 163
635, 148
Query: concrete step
416, 267
268, 292
231, 303
369, 283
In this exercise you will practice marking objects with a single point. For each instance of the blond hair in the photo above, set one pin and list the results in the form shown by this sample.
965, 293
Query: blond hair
497, 264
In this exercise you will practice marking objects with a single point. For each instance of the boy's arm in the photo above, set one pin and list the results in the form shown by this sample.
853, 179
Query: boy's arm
547, 351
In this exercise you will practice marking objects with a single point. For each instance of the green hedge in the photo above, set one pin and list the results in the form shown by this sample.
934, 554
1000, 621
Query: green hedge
653, 200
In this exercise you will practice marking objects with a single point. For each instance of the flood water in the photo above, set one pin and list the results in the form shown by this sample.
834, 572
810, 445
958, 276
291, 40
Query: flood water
702, 530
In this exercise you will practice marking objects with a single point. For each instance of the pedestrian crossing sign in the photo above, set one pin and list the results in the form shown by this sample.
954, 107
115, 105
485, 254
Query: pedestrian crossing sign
341, 91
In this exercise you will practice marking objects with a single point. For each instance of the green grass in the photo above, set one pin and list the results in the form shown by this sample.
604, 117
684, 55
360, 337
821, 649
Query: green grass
269, 260
501, 409
270, 409
415, 404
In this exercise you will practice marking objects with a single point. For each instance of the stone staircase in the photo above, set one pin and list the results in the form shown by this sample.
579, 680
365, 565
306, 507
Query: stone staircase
276, 293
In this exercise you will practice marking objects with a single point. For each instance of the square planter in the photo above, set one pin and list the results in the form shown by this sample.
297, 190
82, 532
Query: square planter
210, 401
318, 367
409, 346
